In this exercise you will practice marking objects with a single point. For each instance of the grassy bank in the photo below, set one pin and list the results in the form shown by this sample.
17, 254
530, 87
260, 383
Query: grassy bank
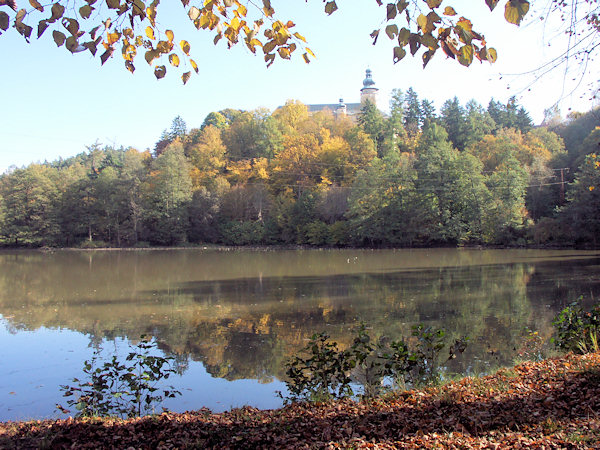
554, 403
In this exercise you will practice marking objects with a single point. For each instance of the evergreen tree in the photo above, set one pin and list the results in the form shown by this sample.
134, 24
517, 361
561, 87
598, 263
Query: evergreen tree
372, 122
452, 118
413, 117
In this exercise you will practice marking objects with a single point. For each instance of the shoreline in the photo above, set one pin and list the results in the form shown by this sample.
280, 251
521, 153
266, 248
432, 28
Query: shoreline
553, 403
265, 248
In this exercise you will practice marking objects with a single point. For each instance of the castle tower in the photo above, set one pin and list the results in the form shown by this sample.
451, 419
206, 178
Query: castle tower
369, 91
341, 110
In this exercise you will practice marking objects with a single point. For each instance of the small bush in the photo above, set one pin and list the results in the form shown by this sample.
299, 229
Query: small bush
326, 372
124, 389
577, 330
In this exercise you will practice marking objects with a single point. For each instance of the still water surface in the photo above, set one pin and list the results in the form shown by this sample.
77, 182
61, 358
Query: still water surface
232, 318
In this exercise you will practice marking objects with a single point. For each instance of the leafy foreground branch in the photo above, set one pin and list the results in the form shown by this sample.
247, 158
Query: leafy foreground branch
552, 403
367, 367
127, 388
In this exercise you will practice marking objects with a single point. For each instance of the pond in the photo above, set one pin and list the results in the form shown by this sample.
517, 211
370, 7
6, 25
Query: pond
231, 318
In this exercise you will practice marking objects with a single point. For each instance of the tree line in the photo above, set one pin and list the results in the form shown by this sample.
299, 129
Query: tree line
413, 177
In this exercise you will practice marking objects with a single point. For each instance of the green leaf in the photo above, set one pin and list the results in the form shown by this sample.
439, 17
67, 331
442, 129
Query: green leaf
391, 11
515, 10
491, 4
59, 38
391, 30
85, 11
415, 42
429, 41
427, 57
330, 7
434, 3
403, 36
57, 12
160, 72
375, 35
72, 44
399, 53
401, 6
104, 57
4, 20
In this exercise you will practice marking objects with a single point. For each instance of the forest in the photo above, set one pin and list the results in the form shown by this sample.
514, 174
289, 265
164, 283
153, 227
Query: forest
468, 175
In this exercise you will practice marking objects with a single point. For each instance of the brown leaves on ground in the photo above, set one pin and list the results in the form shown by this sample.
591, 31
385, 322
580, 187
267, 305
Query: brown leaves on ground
551, 404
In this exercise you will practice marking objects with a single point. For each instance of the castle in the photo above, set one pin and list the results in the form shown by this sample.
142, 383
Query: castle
341, 109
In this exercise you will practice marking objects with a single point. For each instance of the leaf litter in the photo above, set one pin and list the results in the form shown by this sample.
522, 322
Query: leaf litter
550, 404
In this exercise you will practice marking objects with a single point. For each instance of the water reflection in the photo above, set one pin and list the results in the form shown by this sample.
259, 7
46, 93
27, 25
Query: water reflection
242, 313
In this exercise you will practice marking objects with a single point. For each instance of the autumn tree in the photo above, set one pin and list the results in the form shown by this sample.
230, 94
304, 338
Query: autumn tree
30, 196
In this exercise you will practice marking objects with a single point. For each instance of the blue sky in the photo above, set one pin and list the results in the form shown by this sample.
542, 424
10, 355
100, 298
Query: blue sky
55, 104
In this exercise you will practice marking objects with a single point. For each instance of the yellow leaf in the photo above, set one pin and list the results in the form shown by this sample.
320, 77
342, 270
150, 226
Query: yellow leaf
130, 66
422, 22
284, 52
449, 11
151, 14
185, 46
299, 36
150, 33
194, 13
310, 52
492, 55
515, 10
170, 35
194, 65
465, 55
112, 37
174, 59
186, 76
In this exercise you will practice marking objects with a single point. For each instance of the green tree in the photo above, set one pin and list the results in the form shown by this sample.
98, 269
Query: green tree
372, 122
452, 118
169, 192
505, 213
215, 119
454, 184
582, 213
478, 123
413, 116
